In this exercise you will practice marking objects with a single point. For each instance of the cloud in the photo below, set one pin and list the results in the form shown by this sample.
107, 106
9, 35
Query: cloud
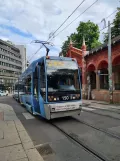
22, 21
16, 30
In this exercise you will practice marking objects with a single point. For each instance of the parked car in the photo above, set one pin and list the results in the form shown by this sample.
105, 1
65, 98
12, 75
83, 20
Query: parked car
3, 93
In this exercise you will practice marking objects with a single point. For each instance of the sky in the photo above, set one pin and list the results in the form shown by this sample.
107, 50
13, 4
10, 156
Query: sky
23, 21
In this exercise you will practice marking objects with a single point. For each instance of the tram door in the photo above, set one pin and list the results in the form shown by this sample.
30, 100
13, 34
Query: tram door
35, 91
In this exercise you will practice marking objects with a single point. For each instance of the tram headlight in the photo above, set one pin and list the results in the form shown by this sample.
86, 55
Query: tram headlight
77, 96
49, 98
52, 98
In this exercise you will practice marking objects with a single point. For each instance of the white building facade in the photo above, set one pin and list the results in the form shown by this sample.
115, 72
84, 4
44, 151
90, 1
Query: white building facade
23, 56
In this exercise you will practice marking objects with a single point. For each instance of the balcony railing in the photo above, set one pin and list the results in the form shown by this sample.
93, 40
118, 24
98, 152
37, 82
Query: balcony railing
9, 75
11, 62
9, 49
9, 68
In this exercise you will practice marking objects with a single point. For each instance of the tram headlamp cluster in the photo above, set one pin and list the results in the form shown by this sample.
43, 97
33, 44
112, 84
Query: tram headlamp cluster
76, 96
72, 97
53, 98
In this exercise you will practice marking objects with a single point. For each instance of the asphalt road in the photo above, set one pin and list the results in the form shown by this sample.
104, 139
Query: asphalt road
58, 146
100, 120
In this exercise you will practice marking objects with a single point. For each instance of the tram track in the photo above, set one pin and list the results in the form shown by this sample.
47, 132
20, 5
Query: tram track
79, 138
75, 138
98, 112
108, 132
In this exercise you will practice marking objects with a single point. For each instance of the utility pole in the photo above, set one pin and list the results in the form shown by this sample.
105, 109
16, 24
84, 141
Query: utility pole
110, 64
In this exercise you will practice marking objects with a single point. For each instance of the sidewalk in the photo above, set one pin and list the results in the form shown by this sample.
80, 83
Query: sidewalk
15, 143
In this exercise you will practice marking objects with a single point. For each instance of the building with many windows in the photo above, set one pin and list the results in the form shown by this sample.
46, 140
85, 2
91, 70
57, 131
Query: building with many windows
10, 64
23, 56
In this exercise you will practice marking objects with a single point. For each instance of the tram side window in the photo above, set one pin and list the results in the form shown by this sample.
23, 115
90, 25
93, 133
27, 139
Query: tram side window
35, 87
42, 82
35, 83
42, 78
28, 84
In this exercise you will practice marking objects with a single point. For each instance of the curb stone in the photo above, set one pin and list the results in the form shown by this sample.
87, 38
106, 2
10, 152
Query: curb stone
21, 148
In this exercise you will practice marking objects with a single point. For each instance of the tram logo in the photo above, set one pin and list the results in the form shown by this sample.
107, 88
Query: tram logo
65, 98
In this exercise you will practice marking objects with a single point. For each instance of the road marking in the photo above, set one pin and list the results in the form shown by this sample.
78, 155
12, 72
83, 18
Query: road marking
100, 107
28, 116
89, 109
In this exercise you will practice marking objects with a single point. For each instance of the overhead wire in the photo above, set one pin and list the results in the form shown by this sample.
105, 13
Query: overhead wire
72, 22
97, 24
35, 52
111, 14
59, 27
75, 18
68, 17
105, 18
108, 16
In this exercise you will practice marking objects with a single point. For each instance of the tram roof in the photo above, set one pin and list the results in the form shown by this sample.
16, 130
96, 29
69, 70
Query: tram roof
32, 66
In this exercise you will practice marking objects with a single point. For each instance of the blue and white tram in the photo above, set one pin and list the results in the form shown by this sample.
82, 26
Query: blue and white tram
52, 87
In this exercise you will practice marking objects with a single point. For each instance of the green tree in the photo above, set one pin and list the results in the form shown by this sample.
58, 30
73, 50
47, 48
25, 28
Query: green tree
89, 30
65, 46
115, 30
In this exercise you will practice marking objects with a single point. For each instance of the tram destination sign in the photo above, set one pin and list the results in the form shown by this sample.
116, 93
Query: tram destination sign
61, 64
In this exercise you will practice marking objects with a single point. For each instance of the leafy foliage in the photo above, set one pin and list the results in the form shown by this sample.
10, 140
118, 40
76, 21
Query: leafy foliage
87, 29
115, 30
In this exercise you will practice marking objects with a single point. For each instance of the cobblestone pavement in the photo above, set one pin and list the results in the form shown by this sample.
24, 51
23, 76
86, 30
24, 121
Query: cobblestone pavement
15, 143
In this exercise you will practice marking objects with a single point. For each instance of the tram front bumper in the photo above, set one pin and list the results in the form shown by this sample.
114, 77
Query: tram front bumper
64, 113
57, 110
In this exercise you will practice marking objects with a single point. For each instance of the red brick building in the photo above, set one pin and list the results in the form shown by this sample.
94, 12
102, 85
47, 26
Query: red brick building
94, 66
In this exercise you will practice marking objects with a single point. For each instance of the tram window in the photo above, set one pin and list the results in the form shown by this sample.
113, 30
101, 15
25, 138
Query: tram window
28, 84
42, 82
35, 87
35, 83
42, 77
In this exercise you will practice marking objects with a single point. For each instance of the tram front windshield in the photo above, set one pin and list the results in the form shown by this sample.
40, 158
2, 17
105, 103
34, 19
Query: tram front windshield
62, 76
